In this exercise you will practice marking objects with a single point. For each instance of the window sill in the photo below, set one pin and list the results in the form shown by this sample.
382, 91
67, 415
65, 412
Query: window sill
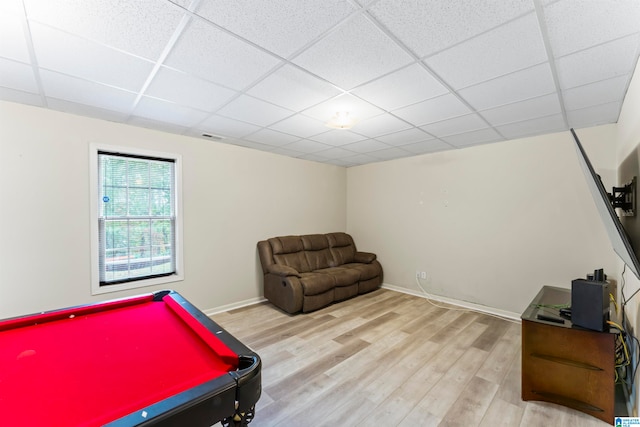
96, 289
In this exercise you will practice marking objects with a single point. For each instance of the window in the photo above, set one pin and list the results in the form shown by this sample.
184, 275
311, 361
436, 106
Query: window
135, 221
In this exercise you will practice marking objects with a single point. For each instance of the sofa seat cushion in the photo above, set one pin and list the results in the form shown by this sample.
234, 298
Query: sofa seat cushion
316, 283
367, 271
342, 276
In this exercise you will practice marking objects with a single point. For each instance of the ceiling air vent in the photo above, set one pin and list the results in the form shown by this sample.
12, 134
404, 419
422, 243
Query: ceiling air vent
212, 137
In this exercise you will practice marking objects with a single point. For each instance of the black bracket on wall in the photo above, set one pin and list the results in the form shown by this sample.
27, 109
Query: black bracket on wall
624, 198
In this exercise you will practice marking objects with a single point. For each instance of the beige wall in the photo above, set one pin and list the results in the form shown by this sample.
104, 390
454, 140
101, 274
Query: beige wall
489, 224
233, 197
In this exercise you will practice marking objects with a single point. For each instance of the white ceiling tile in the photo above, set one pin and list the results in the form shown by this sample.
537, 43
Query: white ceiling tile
433, 110
334, 153
423, 147
293, 88
593, 116
20, 97
392, 91
365, 146
77, 57
72, 107
270, 137
523, 110
341, 162
357, 108
269, 75
573, 25
13, 44
358, 159
159, 110
313, 158
598, 63
214, 55
390, 153
337, 137
353, 54
456, 125
477, 60
602, 92
380, 125
517, 86
540, 125
17, 75
185, 4
473, 138
12, 6
282, 26
300, 125
307, 146
68, 88
183, 89
285, 151
140, 27
429, 26
158, 125
251, 110
405, 137
251, 144
218, 125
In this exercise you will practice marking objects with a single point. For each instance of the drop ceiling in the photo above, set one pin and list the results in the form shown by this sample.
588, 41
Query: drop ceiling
418, 76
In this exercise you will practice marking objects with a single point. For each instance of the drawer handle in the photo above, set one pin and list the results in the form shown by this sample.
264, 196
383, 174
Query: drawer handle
566, 362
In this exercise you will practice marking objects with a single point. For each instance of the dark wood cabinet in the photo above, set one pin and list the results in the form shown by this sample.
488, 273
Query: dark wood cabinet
566, 364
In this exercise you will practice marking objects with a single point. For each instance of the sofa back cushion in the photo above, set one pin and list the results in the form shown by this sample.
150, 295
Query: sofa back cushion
342, 248
289, 250
316, 249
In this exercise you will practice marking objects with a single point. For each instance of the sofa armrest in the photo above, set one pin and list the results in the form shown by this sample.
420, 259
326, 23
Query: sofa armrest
364, 257
282, 270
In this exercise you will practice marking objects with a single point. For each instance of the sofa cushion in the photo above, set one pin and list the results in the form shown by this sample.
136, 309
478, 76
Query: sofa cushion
316, 248
288, 250
316, 283
367, 271
342, 248
342, 276
286, 244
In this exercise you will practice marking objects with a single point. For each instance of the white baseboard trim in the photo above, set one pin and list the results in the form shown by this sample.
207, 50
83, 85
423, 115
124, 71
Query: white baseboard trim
464, 304
233, 306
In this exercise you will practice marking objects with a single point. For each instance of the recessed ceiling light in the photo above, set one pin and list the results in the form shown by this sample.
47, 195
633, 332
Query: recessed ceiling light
341, 120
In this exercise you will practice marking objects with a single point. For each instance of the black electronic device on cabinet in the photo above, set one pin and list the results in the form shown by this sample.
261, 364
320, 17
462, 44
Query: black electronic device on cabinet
590, 302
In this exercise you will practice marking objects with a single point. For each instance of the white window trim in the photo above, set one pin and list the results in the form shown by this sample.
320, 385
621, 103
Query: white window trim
96, 289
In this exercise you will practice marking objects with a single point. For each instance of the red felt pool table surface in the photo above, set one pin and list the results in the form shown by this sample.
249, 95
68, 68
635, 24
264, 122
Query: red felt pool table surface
76, 368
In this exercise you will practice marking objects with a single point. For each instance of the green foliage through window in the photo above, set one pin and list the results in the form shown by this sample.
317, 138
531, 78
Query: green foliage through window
136, 217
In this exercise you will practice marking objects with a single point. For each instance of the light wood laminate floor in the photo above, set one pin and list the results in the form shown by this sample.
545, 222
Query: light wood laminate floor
390, 359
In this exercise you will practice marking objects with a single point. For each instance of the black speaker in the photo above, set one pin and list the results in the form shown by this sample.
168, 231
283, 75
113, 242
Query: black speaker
590, 304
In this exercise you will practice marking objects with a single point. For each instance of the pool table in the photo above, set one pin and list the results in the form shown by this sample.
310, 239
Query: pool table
152, 359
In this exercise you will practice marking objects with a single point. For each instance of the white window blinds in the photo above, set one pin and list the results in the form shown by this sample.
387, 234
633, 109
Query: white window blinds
136, 220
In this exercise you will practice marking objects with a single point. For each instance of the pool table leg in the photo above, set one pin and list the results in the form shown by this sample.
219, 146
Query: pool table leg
239, 419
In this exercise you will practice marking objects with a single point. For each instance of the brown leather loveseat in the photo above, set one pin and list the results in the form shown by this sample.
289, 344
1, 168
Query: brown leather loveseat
305, 273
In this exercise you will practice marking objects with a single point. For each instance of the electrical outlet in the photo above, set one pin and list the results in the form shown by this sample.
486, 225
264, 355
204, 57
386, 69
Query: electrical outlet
423, 274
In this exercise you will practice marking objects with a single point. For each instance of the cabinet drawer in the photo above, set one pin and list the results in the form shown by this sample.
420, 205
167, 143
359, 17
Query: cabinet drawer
584, 347
561, 379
